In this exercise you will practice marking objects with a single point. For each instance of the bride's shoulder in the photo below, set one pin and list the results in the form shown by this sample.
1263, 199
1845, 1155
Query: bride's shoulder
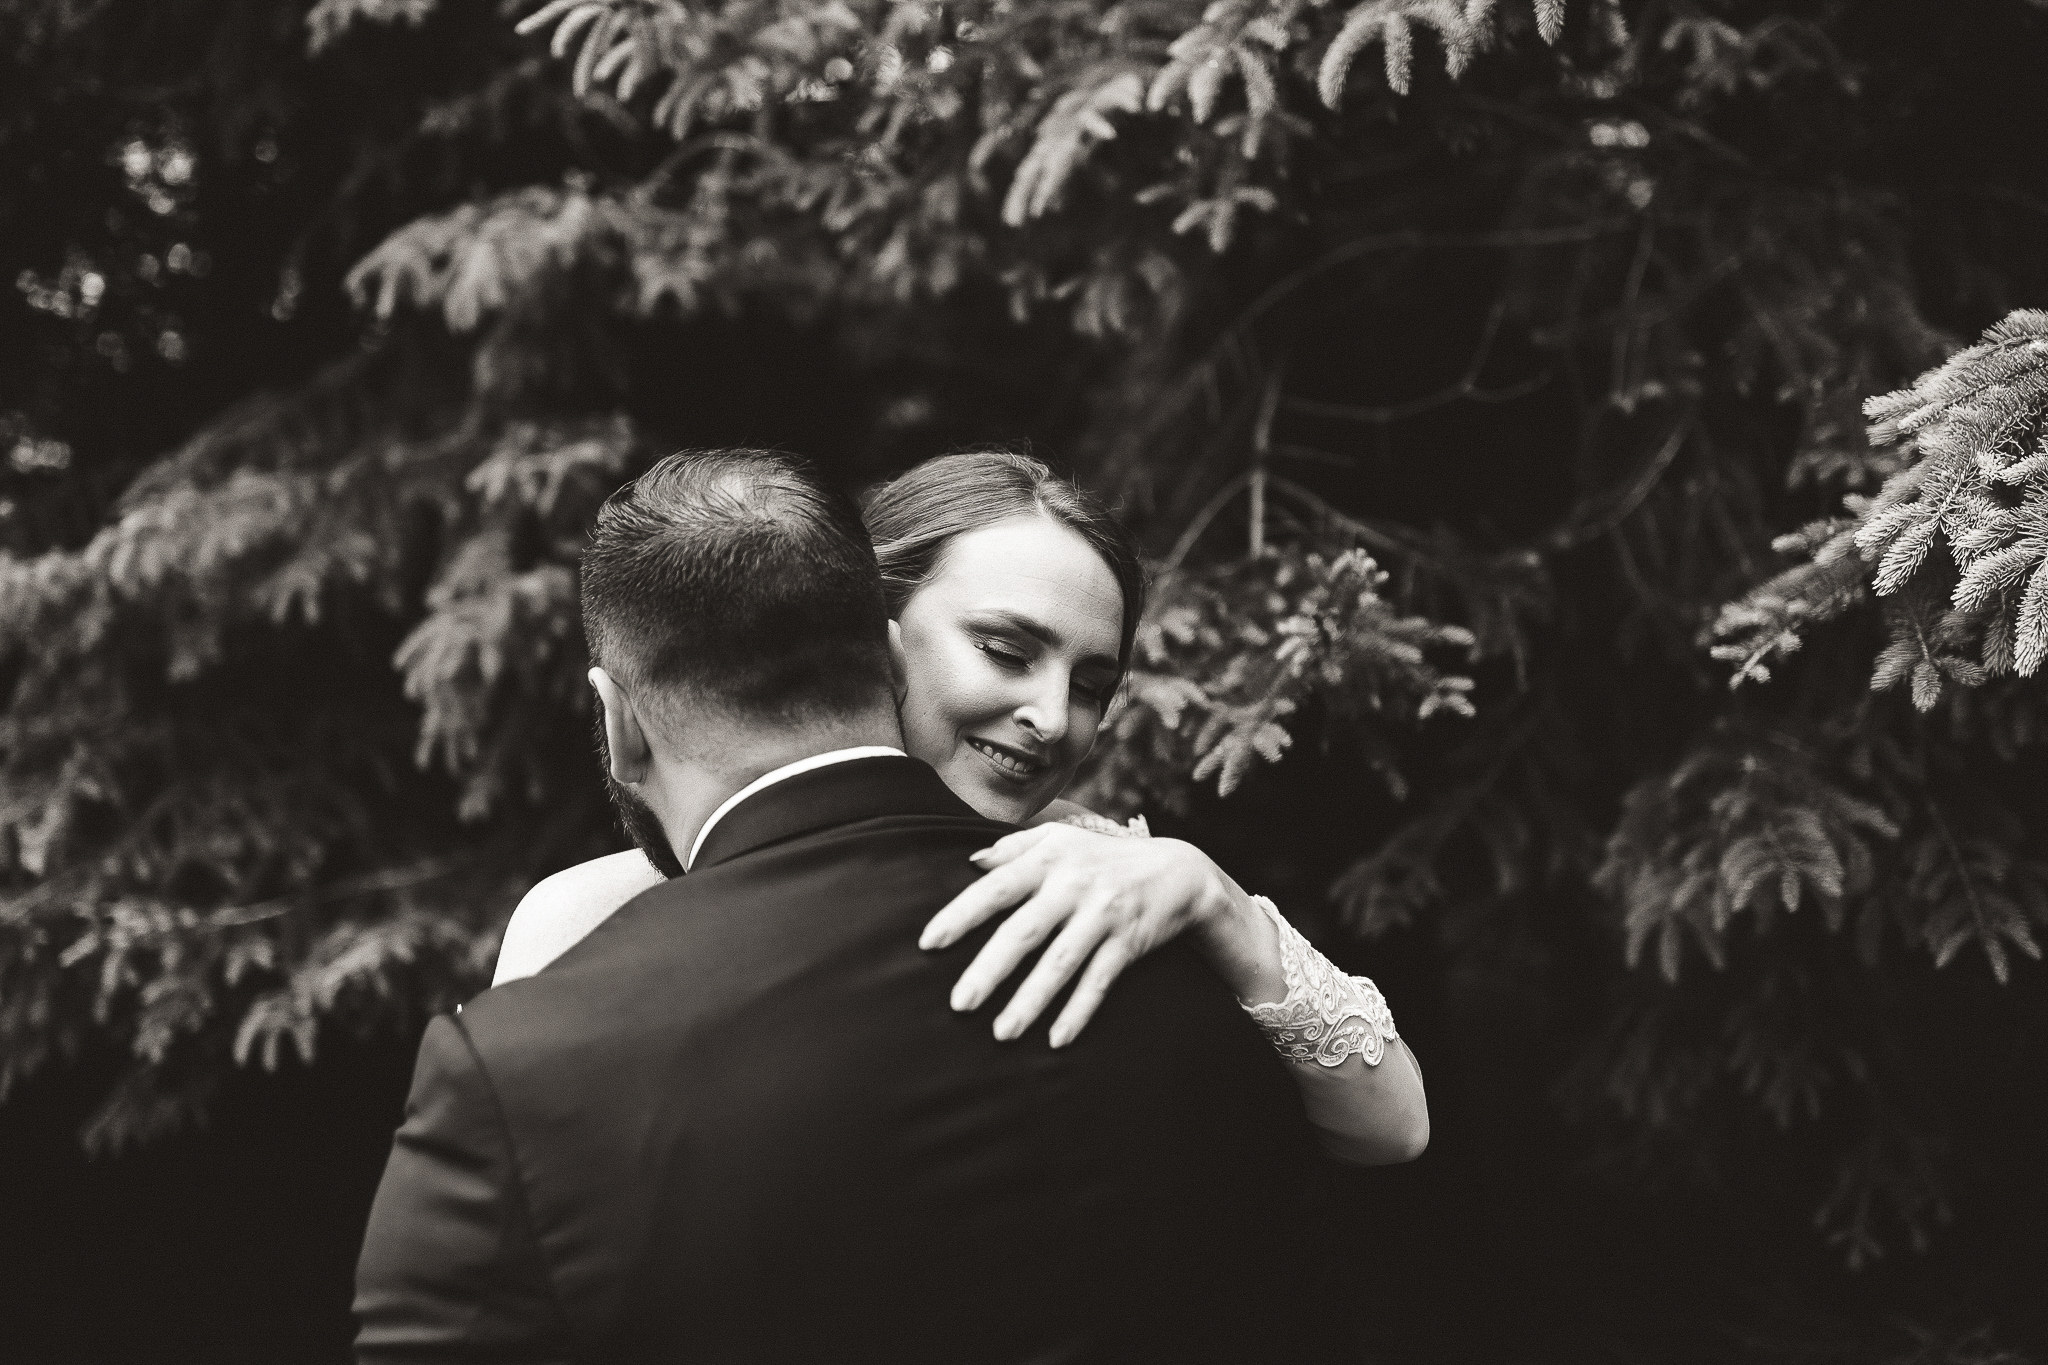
560, 909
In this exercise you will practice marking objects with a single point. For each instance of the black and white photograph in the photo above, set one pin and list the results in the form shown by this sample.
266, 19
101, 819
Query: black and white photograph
1023, 682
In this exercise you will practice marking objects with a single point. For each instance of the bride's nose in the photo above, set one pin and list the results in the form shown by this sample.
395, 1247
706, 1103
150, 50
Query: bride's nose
1044, 713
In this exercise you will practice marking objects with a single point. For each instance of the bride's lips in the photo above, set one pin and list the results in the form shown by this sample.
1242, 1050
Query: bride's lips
1013, 765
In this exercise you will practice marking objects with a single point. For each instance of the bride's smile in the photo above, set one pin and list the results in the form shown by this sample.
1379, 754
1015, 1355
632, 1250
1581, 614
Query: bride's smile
1007, 761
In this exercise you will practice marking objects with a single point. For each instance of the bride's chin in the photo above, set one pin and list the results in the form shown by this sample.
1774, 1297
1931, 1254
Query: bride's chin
1009, 810
989, 800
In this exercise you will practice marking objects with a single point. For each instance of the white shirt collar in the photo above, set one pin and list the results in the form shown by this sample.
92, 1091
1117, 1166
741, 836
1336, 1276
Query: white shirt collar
769, 779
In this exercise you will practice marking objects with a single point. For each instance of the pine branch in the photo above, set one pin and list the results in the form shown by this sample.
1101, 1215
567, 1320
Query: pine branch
1744, 825
1955, 543
1228, 655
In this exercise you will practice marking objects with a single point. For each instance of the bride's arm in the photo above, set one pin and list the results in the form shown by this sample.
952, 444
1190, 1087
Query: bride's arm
561, 909
1373, 1113
1107, 901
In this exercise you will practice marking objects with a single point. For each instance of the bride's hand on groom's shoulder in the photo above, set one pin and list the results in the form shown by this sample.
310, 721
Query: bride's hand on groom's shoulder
1104, 902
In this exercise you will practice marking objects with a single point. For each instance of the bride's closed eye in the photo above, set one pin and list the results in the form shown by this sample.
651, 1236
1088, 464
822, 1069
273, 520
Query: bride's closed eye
1005, 654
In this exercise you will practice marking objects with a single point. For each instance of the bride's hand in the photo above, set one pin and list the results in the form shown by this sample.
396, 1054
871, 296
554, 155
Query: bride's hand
1111, 901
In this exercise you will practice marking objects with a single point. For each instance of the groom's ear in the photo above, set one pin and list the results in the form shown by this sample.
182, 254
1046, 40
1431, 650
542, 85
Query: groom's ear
624, 741
897, 672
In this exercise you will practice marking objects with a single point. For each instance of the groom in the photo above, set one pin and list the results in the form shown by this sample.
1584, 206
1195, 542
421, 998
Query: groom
739, 1121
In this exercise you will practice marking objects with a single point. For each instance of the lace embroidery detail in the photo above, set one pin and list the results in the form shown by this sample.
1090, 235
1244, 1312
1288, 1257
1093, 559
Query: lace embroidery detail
1102, 824
1326, 1015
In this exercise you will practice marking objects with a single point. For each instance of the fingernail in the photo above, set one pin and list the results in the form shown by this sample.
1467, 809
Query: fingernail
931, 941
1060, 1037
979, 855
1005, 1030
964, 1000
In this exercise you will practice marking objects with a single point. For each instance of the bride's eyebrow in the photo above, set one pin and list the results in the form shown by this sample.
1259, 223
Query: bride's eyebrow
1038, 631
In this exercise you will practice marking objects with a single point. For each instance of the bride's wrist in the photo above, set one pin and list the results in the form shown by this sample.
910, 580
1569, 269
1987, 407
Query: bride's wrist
1238, 939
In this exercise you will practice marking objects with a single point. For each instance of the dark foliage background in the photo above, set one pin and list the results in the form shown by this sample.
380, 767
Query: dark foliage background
1471, 370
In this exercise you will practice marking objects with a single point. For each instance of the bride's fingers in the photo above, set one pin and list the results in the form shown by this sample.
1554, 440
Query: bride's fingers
1008, 885
1103, 969
1055, 968
1018, 935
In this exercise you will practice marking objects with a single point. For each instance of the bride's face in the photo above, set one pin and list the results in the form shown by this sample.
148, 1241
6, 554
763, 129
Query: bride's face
1007, 659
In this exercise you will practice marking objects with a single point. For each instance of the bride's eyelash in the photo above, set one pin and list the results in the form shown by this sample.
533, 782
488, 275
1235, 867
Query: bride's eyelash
1002, 653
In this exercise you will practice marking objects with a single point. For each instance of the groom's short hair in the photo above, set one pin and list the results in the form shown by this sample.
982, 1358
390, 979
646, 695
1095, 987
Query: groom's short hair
737, 578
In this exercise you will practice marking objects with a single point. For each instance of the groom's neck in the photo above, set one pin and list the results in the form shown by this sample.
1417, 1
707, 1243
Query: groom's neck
692, 788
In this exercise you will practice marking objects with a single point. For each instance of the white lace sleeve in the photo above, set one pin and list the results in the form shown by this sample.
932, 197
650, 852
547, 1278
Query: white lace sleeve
1326, 1015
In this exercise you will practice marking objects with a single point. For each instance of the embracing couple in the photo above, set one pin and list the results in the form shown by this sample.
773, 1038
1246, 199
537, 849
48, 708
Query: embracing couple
775, 1101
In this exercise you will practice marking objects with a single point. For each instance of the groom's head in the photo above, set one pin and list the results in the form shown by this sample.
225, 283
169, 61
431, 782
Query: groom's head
732, 605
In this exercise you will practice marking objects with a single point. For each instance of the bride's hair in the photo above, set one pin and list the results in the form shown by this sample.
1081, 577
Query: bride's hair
914, 516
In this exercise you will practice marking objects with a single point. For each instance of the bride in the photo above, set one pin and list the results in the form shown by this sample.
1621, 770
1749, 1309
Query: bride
1015, 597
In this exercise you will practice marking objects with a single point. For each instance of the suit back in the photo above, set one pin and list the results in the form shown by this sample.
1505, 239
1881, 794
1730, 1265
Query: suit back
741, 1123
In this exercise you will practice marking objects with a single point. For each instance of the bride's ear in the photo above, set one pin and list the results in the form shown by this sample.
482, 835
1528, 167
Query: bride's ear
624, 741
898, 671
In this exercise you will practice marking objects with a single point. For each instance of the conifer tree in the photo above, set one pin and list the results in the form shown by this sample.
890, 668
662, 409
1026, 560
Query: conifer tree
1459, 362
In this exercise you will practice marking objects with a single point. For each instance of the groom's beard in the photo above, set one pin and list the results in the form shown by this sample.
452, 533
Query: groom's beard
636, 817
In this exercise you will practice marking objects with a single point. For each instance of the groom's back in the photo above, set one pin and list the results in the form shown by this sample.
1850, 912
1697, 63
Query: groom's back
750, 1129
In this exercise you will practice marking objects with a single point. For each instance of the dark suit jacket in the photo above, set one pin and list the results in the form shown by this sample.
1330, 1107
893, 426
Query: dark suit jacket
739, 1122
